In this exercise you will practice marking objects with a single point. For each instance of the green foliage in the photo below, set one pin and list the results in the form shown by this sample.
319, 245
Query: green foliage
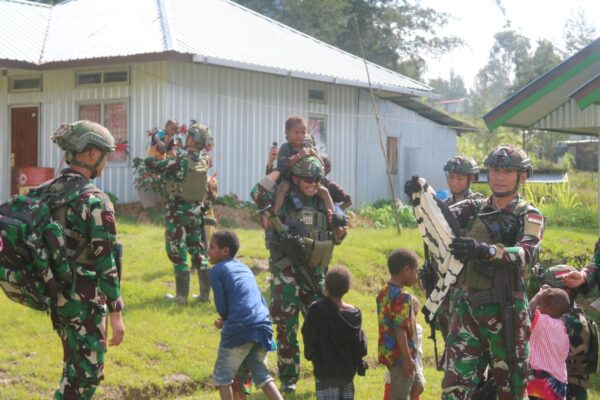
382, 215
164, 340
510, 66
479, 144
227, 223
578, 32
233, 201
146, 180
453, 88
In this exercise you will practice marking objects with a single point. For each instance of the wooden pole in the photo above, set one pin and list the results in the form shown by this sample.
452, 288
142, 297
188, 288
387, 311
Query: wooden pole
380, 130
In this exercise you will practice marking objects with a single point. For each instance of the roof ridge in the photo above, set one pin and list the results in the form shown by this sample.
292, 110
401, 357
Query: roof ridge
45, 36
165, 24
289, 28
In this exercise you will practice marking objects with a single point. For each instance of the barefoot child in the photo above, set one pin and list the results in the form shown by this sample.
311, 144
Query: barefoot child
246, 334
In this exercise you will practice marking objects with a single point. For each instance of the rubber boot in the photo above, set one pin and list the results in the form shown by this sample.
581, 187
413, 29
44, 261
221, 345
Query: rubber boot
204, 283
182, 287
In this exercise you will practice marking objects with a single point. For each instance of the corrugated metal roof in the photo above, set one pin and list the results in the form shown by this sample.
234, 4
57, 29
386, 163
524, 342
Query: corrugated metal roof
548, 92
23, 28
213, 31
86, 29
225, 30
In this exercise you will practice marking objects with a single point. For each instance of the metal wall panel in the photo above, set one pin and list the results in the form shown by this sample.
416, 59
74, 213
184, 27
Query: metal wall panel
423, 146
246, 110
569, 115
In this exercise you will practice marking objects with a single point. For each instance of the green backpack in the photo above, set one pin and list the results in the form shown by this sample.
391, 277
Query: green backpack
34, 265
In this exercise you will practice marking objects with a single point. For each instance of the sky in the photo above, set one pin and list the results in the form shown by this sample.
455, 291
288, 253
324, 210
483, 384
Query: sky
476, 21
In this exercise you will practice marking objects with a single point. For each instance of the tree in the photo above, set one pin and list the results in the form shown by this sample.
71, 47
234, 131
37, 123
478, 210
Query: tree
396, 34
453, 88
508, 63
578, 32
544, 59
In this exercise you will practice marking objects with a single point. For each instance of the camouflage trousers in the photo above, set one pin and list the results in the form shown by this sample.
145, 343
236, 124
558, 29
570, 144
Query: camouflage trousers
475, 341
82, 331
290, 295
184, 235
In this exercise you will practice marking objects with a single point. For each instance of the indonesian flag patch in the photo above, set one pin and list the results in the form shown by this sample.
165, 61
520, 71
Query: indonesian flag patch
534, 225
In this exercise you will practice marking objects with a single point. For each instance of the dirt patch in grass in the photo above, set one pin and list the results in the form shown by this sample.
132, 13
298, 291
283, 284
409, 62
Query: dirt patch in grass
227, 217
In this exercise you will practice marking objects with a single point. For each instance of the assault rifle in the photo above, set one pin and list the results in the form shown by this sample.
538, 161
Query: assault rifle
506, 282
429, 277
295, 249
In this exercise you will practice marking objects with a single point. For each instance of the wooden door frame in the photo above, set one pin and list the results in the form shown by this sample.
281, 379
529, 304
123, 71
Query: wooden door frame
10, 133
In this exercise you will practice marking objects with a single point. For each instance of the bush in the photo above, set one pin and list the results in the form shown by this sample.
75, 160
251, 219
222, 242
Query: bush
580, 217
382, 215
233, 201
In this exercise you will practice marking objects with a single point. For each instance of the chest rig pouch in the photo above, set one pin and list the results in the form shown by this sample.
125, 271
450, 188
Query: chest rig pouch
311, 224
491, 226
193, 186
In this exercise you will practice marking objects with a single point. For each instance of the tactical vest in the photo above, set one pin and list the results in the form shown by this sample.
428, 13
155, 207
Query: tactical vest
314, 221
583, 339
193, 186
312, 224
492, 227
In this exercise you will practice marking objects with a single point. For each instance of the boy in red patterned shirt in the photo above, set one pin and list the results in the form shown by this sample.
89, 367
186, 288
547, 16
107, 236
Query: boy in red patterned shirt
397, 350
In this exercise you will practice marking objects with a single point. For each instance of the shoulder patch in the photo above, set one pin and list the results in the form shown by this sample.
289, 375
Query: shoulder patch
534, 225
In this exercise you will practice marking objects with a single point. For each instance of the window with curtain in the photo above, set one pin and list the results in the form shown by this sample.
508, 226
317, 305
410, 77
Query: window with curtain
114, 116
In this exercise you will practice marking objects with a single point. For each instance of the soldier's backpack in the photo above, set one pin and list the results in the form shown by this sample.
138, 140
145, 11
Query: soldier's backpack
34, 265
583, 338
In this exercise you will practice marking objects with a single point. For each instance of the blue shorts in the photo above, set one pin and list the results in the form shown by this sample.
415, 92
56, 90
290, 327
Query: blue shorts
229, 361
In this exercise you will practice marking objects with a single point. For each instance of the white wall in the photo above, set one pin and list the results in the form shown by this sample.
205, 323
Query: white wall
246, 111
423, 147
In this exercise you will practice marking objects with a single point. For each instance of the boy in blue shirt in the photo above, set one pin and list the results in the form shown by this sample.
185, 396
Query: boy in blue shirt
247, 334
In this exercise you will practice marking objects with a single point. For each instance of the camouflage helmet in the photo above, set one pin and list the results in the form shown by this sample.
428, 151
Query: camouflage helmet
462, 165
201, 135
554, 275
79, 136
509, 157
308, 167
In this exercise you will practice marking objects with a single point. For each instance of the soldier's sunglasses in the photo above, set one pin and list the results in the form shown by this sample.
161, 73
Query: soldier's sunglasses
311, 179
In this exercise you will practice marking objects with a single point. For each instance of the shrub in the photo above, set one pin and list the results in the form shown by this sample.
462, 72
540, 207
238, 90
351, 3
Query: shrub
382, 214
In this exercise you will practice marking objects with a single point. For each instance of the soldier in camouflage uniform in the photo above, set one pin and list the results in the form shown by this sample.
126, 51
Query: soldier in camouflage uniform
295, 285
577, 327
490, 323
186, 178
461, 172
94, 253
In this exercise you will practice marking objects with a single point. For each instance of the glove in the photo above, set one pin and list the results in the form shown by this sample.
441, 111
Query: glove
466, 248
412, 186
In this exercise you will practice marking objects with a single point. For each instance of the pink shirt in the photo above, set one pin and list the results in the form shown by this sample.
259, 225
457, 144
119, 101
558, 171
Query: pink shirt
549, 345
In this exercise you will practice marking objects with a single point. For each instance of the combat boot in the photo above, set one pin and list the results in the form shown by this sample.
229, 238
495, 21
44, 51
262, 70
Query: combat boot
204, 283
182, 287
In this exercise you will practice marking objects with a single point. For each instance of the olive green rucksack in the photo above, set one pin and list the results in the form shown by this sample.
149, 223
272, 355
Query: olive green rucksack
34, 266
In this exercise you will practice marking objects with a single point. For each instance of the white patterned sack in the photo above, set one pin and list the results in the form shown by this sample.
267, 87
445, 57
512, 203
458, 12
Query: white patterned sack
438, 227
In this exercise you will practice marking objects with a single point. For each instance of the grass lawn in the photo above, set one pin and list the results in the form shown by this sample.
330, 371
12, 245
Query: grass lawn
169, 351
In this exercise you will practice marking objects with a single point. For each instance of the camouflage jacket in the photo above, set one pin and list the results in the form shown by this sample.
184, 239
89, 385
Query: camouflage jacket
91, 218
529, 228
175, 168
469, 194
